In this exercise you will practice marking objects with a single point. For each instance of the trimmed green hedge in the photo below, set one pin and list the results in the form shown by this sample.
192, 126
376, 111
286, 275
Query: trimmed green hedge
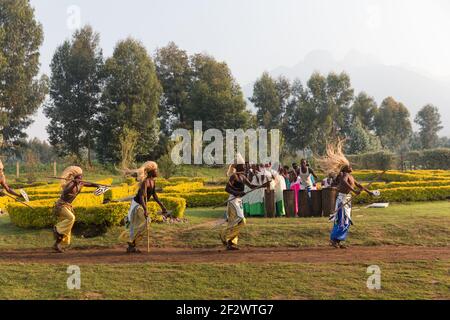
382, 160
184, 187
42, 215
409, 184
407, 194
111, 214
175, 204
431, 159
394, 176
120, 192
177, 180
202, 199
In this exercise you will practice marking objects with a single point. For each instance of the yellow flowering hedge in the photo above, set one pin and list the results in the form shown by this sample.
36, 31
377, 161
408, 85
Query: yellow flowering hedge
202, 199
126, 190
177, 180
189, 187
45, 196
175, 204
107, 181
4, 201
407, 194
409, 184
184, 187
394, 176
42, 215
444, 173
120, 192
56, 188
111, 214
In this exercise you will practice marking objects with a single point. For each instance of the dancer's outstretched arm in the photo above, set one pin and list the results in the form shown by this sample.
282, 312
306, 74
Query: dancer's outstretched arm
8, 189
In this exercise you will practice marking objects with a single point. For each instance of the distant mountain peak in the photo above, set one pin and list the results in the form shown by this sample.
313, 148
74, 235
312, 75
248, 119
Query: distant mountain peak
408, 85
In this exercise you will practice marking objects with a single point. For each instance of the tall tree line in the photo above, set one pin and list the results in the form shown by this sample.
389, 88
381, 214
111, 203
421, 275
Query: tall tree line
21, 90
326, 109
123, 108
128, 105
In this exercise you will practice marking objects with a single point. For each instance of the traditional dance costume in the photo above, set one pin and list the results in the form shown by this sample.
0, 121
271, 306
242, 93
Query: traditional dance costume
135, 223
235, 217
256, 198
342, 218
65, 216
246, 201
280, 186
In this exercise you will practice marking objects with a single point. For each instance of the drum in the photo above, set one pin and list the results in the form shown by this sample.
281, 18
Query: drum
304, 204
329, 196
289, 203
269, 204
316, 203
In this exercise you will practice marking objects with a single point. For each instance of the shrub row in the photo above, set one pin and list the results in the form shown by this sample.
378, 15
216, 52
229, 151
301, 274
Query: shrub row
4, 201
120, 192
175, 204
176, 180
42, 216
408, 184
55, 188
383, 160
126, 189
430, 159
83, 199
408, 194
20, 185
203, 199
439, 173
184, 187
111, 214
394, 176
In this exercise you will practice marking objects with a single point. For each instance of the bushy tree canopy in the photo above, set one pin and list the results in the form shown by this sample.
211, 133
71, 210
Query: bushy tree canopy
130, 99
21, 93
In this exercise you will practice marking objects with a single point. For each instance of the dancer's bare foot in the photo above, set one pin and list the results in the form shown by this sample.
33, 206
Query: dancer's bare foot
334, 244
58, 247
132, 248
231, 246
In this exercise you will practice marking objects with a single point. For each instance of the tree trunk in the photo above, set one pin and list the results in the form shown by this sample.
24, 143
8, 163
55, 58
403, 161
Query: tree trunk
89, 151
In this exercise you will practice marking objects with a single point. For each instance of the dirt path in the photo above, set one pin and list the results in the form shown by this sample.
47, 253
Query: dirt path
250, 255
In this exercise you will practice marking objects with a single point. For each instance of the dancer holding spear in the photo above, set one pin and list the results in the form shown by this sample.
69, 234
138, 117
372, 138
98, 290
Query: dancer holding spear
235, 213
138, 220
71, 186
335, 163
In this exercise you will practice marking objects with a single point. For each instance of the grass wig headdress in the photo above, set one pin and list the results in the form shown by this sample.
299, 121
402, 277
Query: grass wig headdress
69, 173
334, 159
141, 173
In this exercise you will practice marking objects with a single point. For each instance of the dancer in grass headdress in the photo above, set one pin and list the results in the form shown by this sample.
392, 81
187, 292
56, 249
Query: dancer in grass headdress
71, 186
235, 212
335, 163
138, 219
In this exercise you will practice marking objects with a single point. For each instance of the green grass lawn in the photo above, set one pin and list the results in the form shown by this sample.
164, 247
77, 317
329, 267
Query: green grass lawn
406, 280
424, 224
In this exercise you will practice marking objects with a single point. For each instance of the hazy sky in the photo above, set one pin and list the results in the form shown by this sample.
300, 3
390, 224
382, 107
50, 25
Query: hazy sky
257, 35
